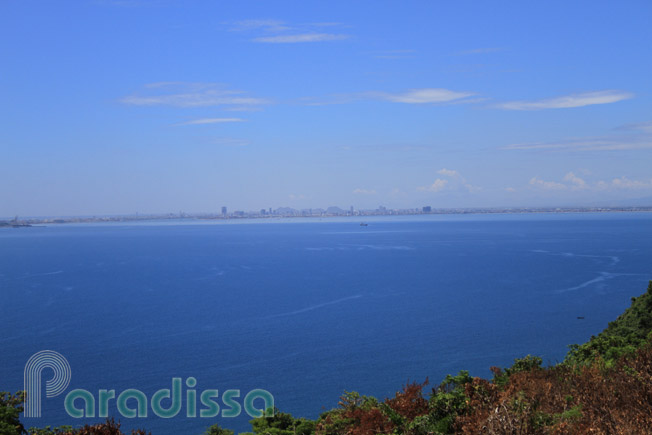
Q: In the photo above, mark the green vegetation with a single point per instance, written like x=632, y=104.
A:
x=603, y=386
x=10, y=408
x=622, y=337
x=282, y=424
x=217, y=430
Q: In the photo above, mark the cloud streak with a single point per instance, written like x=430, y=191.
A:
x=453, y=181
x=393, y=54
x=437, y=186
x=639, y=126
x=569, y=101
x=279, y=32
x=180, y=94
x=364, y=192
x=482, y=50
x=301, y=37
x=204, y=121
x=547, y=185
x=588, y=144
x=572, y=182
x=423, y=96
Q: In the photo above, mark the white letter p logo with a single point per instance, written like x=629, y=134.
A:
x=53, y=387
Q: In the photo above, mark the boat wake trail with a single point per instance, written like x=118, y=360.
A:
x=314, y=307
x=612, y=258
x=33, y=275
x=604, y=276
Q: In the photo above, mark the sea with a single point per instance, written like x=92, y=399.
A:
x=305, y=309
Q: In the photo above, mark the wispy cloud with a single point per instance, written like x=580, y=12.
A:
x=484, y=50
x=364, y=192
x=211, y=121
x=229, y=141
x=265, y=25
x=411, y=96
x=547, y=185
x=279, y=32
x=129, y=3
x=301, y=37
x=448, y=172
x=576, y=182
x=180, y=94
x=625, y=183
x=638, y=126
x=423, y=96
x=393, y=54
x=453, y=181
x=437, y=186
x=571, y=182
x=607, y=143
x=568, y=101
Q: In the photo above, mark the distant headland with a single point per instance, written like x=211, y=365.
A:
x=14, y=223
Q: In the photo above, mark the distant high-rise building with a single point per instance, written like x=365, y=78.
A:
x=262, y=212
x=223, y=211
x=427, y=209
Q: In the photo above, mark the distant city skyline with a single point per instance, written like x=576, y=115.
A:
x=121, y=106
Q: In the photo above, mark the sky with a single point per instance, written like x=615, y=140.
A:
x=158, y=106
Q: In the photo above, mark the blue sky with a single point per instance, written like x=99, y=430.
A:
x=122, y=106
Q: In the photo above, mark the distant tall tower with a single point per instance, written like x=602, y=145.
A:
x=223, y=211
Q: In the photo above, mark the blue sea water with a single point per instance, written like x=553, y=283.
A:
x=308, y=309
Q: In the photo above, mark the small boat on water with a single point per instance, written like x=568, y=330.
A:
x=362, y=224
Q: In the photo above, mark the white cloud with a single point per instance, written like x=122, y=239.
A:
x=471, y=188
x=547, y=185
x=423, y=96
x=301, y=37
x=264, y=25
x=181, y=94
x=448, y=172
x=393, y=54
x=243, y=109
x=567, y=101
x=640, y=126
x=510, y=189
x=364, y=192
x=211, y=121
x=459, y=180
x=482, y=50
x=576, y=182
x=607, y=143
x=626, y=183
x=437, y=186
x=412, y=96
x=279, y=32
x=230, y=141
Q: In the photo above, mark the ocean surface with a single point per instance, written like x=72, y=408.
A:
x=307, y=309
